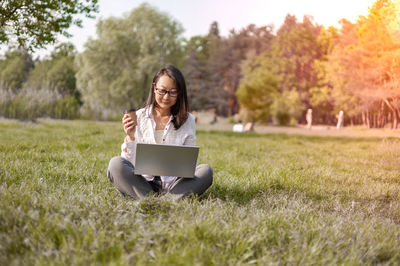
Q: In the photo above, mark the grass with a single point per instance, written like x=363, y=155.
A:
x=276, y=199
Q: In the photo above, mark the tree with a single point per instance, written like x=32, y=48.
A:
x=332, y=74
x=286, y=107
x=15, y=69
x=196, y=72
x=258, y=87
x=279, y=82
x=61, y=76
x=321, y=94
x=116, y=69
x=56, y=73
x=294, y=52
x=34, y=24
x=237, y=47
x=367, y=62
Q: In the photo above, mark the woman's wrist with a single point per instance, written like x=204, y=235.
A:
x=129, y=139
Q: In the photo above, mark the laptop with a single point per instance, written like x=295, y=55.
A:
x=166, y=160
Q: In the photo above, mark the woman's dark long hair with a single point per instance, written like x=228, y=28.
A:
x=180, y=109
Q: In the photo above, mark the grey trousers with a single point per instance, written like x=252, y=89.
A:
x=121, y=174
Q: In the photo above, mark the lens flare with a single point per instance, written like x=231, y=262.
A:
x=393, y=22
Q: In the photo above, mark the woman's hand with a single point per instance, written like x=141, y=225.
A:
x=129, y=126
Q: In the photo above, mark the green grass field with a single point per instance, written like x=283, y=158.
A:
x=276, y=199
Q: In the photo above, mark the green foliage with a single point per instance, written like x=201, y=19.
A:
x=30, y=104
x=61, y=76
x=15, y=69
x=289, y=67
x=116, y=70
x=287, y=107
x=320, y=97
x=38, y=75
x=258, y=88
x=303, y=65
x=294, y=51
x=56, y=73
x=212, y=65
x=364, y=64
x=197, y=54
x=327, y=40
x=278, y=200
x=34, y=24
x=66, y=108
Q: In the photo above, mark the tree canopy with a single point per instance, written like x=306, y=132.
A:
x=57, y=72
x=14, y=69
x=262, y=74
x=116, y=69
x=366, y=62
x=34, y=23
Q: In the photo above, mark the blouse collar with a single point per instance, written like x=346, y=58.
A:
x=149, y=112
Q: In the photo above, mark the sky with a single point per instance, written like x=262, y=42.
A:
x=196, y=16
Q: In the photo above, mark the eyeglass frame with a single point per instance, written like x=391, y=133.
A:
x=165, y=92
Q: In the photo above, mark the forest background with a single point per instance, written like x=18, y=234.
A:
x=255, y=74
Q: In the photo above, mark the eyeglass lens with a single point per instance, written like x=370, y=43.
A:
x=170, y=93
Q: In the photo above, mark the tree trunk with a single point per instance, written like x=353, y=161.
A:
x=394, y=126
x=379, y=119
x=364, y=120
x=231, y=106
x=368, y=119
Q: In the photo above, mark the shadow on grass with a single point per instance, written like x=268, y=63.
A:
x=244, y=195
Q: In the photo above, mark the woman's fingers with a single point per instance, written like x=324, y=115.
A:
x=129, y=124
x=127, y=119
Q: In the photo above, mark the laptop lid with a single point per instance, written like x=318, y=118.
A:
x=166, y=160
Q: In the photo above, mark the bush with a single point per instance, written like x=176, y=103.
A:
x=66, y=108
x=286, y=107
x=28, y=104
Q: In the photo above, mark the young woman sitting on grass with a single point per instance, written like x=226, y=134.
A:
x=164, y=119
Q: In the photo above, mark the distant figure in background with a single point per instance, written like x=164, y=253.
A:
x=249, y=127
x=309, y=118
x=340, y=120
x=238, y=127
x=214, y=120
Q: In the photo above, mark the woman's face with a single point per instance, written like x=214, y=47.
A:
x=165, y=85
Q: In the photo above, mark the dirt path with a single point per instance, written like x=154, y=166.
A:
x=318, y=130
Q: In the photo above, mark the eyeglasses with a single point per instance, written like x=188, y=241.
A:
x=170, y=93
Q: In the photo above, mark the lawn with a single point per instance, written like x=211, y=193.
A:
x=276, y=199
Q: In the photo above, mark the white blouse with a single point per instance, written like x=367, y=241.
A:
x=146, y=133
x=158, y=136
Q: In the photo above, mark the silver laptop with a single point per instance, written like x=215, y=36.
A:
x=165, y=160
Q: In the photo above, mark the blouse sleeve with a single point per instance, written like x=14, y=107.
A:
x=190, y=139
x=128, y=151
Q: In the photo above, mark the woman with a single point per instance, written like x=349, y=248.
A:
x=164, y=119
